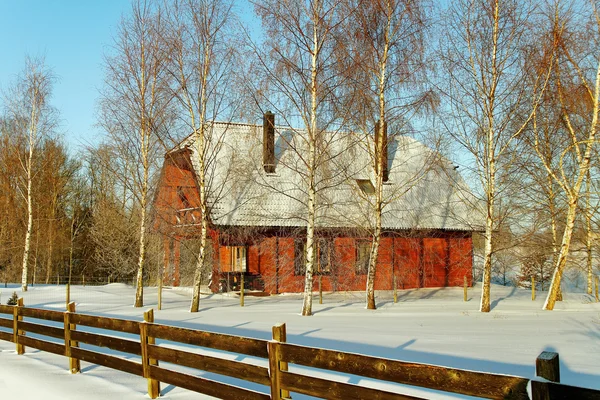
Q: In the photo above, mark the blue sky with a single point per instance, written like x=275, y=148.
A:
x=73, y=35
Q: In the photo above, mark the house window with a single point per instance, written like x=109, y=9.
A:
x=299, y=257
x=322, y=256
x=324, y=250
x=185, y=203
x=366, y=186
x=363, y=251
x=236, y=260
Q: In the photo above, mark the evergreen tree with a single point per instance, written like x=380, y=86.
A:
x=12, y=301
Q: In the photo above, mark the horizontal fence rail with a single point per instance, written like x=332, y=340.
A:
x=64, y=333
x=423, y=375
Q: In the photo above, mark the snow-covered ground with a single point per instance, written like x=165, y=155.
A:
x=430, y=326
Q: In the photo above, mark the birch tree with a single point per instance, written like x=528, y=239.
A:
x=490, y=106
x=135, y=104
x=27, y=106
x=296, y=63
x=385, y=58
x=202, y=67
x=576, y=86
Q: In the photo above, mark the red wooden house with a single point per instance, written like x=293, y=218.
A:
x=256, y=207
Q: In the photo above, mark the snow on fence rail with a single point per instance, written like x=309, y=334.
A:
x=138, y=341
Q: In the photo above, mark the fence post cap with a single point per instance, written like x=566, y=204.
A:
x=149, y=315
x=547, y=355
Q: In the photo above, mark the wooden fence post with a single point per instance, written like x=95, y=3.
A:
x=532, y=288
x=465, y=292
x=274, y=371
x=546, y=366
x=16, y=330
x=145, y=340
x=160, y=285
x=74, y=363
x=275, y=365
x=395, y=281
x=320, y=289
x=241, y=289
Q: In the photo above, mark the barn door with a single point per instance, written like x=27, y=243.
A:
x=435, y=262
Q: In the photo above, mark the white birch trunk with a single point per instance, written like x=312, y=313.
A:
x=200, y=135
x=371, y=305
x=139, y=281
x=379, y=167
x=553, y=228
x=201, y=176
x=490, y=216
x=490, y=168
x=144, y=148
x=487, y=262
x=310, y=248
x=588, y=226
x=32, y=142
x=29, y=223
x=561, y=261
x=312, y=192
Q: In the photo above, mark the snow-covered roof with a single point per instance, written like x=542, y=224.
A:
x=424, y=190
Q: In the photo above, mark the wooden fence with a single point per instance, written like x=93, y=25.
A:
x=165, y=363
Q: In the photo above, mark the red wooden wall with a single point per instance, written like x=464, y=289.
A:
x=416, y=262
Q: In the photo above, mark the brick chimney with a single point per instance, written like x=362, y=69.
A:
x=384, y=156
x=269, y=142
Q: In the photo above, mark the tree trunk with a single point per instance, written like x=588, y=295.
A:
x=29, y=217
x=201, y=144
x=201, y=177
x=371, y=305
x=312, y=192
x=145, y=141
x=310, y=241
x=68, y=300
x=487, y=268
x=489, y=230
x=310, y=247
x=201, y=255
x=588, y=226
x=139, y=281
x=562, y=257
x=490, y=165
x=50, y=249
x=379, y=167
x=37, y=248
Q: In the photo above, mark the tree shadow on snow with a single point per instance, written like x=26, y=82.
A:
x=497, y=301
